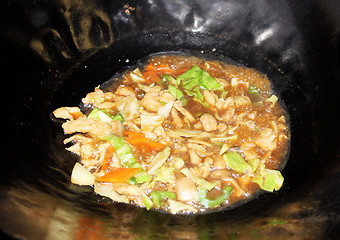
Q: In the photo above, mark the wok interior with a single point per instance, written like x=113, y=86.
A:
x=36, y=181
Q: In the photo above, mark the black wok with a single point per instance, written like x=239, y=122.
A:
x=54, y=52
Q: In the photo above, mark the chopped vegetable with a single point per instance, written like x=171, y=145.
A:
x=159, y=159
x=254, y=163
x=81, y=176
x=272, y=181
x=272, y=99
x=103, y=116
x=166, y=109
x=126, y=157
x=177, y=93
x=235, y=161
x=165, y=174
x=137, y=76
x=119, y=175
x=158, y=196
x=150, y=122
x=207, y=202
x=147, y=201
x=199, y=181
x=144, y=144
x=196, y=76
x=150, y=77
x=106, y=190
x=254, y=93
x=176, y=207
x=150, y=67
x=128, y=107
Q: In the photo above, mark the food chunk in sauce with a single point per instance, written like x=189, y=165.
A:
x=181, y=134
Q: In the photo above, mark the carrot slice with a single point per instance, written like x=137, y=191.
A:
x=150, y=67
x=107, y=158
x=134, y=134
x=144, y=144
x=150, y=76
x=119, y=175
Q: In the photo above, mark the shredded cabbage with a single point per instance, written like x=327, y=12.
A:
x=236, y=162
x=128, y=107
x=199, y=181
x=159, y=160
x=137, y=76
x=166, y=109
x=150, y=122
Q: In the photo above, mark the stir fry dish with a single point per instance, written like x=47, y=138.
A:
x=180, y=134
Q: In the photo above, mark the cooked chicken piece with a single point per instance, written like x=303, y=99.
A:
x=176, y=118
x=221, y=127
x=124, y=91
x=252, y=115
x=212, y=65
x=78, y=138
x=154, y=89
x=88, y=125
x=203, y=170
x=198, y=126
x=127, y=189
x=209, y=122
x=225, y=103
x=219, y=163
x=84, y=150
x=98, y=96
x=106, y=105
x=209, y=97
x=159, y=131
x=70, y=113
x=198, y=148
x=222, y=81
x=241, y=101
x=150, y=103
x=249, y=150
x=186, y=113
x=117, y=127
x=194, y=158
x=186, y=190
x=131, y=126
x=106, y=152
x=224, y=175
x=238, y=83
x=227, y=115
x=220, y=174
x=165, y=96
x=267, y=139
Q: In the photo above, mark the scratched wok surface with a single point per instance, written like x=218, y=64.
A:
x=54, y=52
